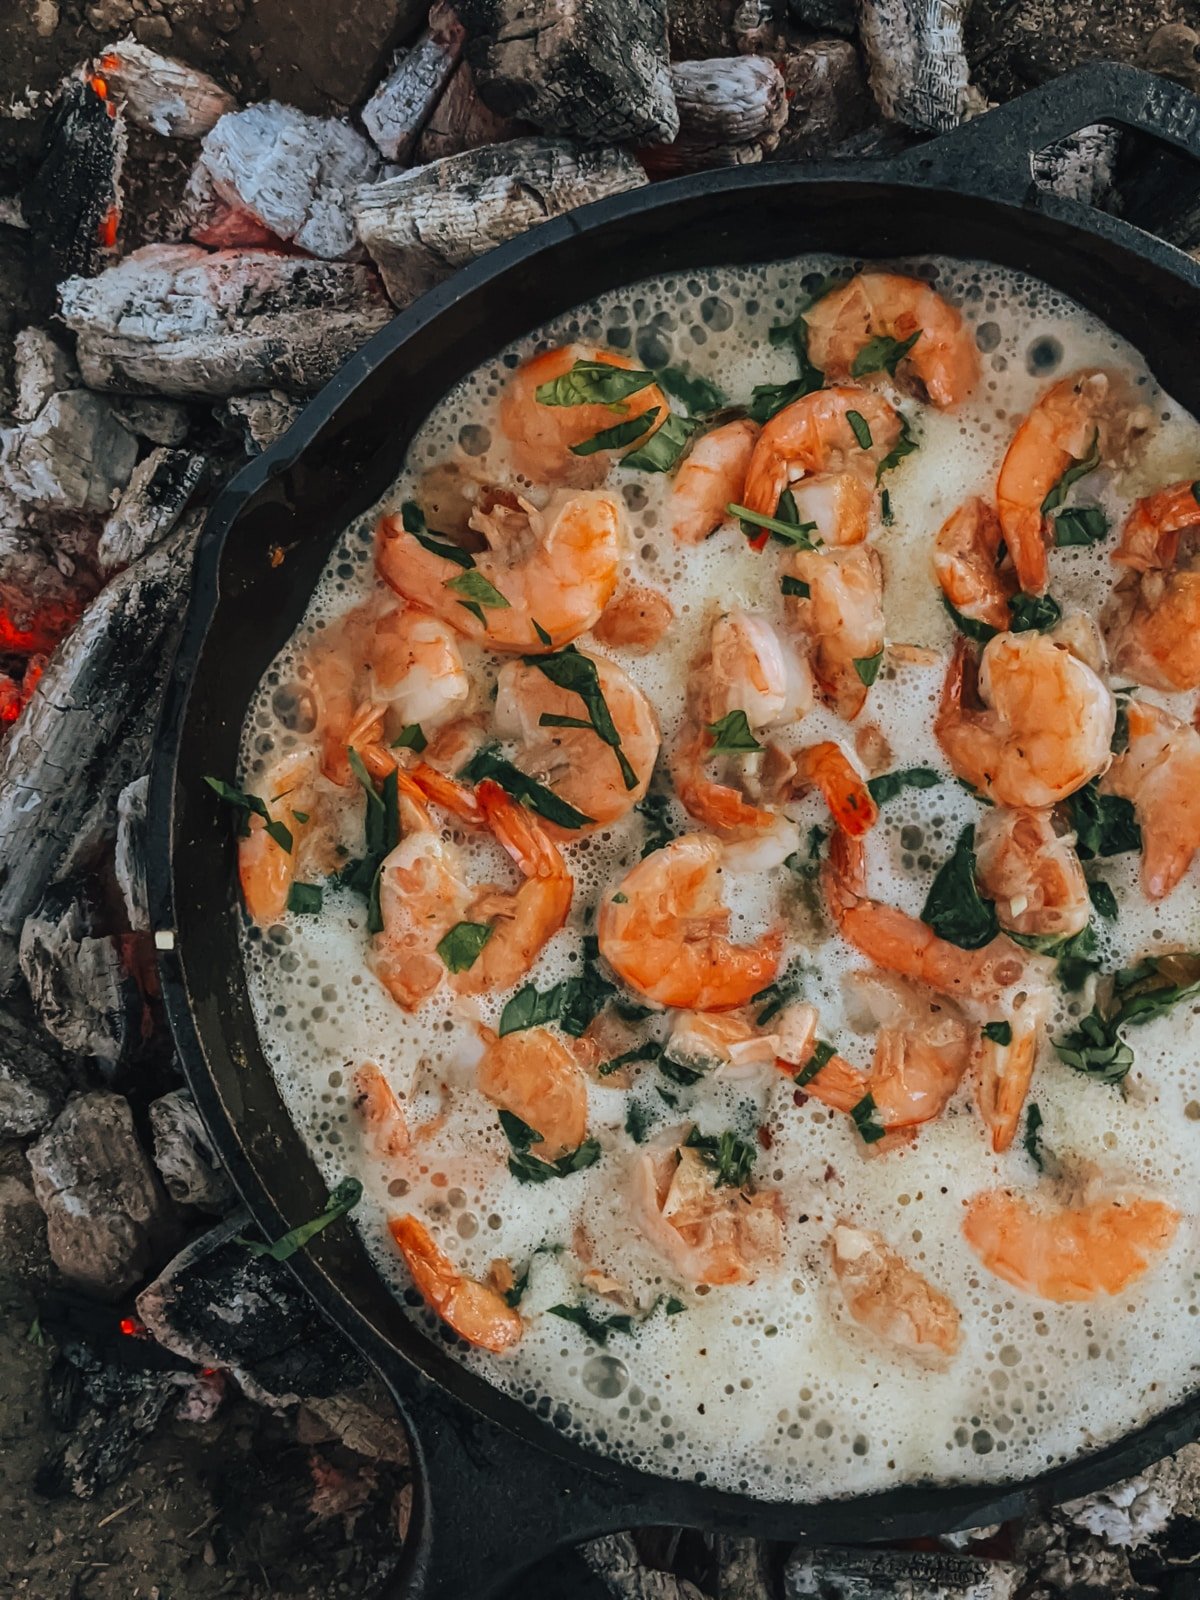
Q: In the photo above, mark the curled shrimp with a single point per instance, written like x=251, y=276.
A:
x=710, y=1235
x=883, y=1293
x=266, y=867
x=635, y=619
x=1081, y=415
x=532, y=1074
x=1006, y=1068
x=580, y=767
x=827, y=767
x=702, y=1040
x=1152, y=621
x=664, y=931
x=840, y=620
x=710, y=478
x=942, y=363
x=976, y=581
x=1159, y=772
x=1072, y=1252
x=382, y=1117
x=553, y=570
x=1032, y=873
x=477, y=1313
x=540, y=437
x=814, y=435
x=1031, y=725
x=837, y=504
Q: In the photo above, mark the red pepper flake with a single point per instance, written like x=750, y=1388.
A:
x=764, y=1137
x=799, y=1098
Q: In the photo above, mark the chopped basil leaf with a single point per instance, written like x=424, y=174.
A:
x=640, y=1052
x=980, y=632
x=680, y=1072
x=655, y=810
x=516, y=1294
x=620, y=899
x=788, y=532
x=904, y=446
x=341, y=1200
x=1105, y=824
x=527, y=1168
x=889, y=784
x=305, y=899
x=766, y=399
x=1096, y=1049
x=1080, y=525
x=1078, y=469
x=410, y=738
x=809, y=864
x=478, y=592
x=249, y=804
x=635, y=1122
x=1104, y=900
x=870, y=1130
x=569, y=669
x=885, y=508
x=546, y=639
x=301, y=817
x=795, y=587
x=487, y=763
x=860, y=428
x=666, y=1096
x=882, y=354
x=1033, y=1135
x=699, y=395
x=381, y=826
x=795, y=333
x=973, y=791
x=673, y=1306
x=1033, y=611
x=822, y=1054
x=998, y=1032
x=732, y=735
x=1120, y=739
x=868, y=667
x=665, y=447
x=460, y=949
x=1140, y=993
x=413, y=519
x=954, y=908
x=597, y=1329
x=518, y=1133
x=729, y=1157
x=592, y=383
x=776, y=995
x=617, y=437
x=1074, y=954
x=531, y=1008
x=573, y=1003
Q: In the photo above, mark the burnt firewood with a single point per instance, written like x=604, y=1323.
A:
x=157, y=421
x=615, y=1560
x=596, y=70
x=827, y=97
x=825, y=16
x=109, y=1221
x=93, y=693
x=44, y=585
x=161, y=94
x=104, y=1443
x=34, y=1079
x=184, y=1155
x=74, y=455
x=260, y=418
x=1081, y=167
x=423, y=224
x=461, y=121
x=759, y=26
x=153, y=502
x=916, y=61
x=83, y=992
x=700, y=29
x=743, y=1568
x=405, y=100
x=129, y=856
x=731, y=111
x=363, y=1418
x=288, y=173
x=73, y=204
x=177, y=320
x=41, y=367
x=843, y=1574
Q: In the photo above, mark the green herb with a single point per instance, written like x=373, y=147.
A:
x=527, y=1168
x=620, y=899
x=666, y=1096
x=870, y=1130
x=1105, y=824
x=382, y=834
x=305, y=899
x=516, y=1294
x=973, y=791
x=1104, y=900
x=546, y=638
x=1078, y=469
x=904, y=446
x=629, y=1010
x=809, y=864
x=597, y=1329
x=518, y=1133
x=860, y=428
x=1028, y=612
x=1033, y=1135
x=868, y=667
x=795, y=587
x=574, y=1003
x=635, y=1122
x=655, y=811
x=680, y=1072
x=889, y=784
x=788, y=532
x=778, y=994
x=1120, y=739
x=1096, y=1049
x=479, y=593
x=1146, y=990
x=487, y=763
x=617, y=437
x=251, y=804
x=998, y=1032
x=673, y=1306
x=731, y=735
x=300, y=816
x=954, y=908
x=699, y=395
x=410, y=737
x=592, y=383
x=729, y=1157
x=795, y=333
x=665, y=447
x=341, y=1200
x=822, y=1054
x=531, y=1008
x=460, y=949
x=1080, y=525
x=640, y=1052
x=885, y=508
x=1074, y=953
x=980, y=632
x=569, y=669
x=882, y=354
x=413, y=519
x=766, y=399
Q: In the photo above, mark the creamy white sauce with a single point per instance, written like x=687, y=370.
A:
x=770, y=1388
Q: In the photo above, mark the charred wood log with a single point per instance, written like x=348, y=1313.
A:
x=153, y=502
x=615, y=1561
x=184, y=1156
x=41, y=367
x=161, y=94
x=1081, y=167
x=743, y=1569
x=916, y=61
x=825, y=16
x=731, y=111
x=700, y=29
x=827, y=97
x=259, y=419
x=596, y=70
x=108, y=1218
x=39, y=601
x=73, y=204
x=178, y=321
x=158, y=421
x=405, y=100
x=74, y=454
x=842, y=1574
x=760, y=27
x=423, y=224
x=461, y=121
x=34, y=1079
x=129, y=857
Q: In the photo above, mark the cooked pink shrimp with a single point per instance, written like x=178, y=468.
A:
x=554, y=569
x=892, y=1299
x=710, y=477
x=838, y=504
x=636, y=618
x=477, y=1313
x=1160, y=772
x=266, y=869
x=1080, y=415
x=709, y=1235
x=1072, y=1252
x=1006, y=1069
x=942, y=364
x=840, y=620
x=663, y=929
x=1032, y=873
x=701, y=1040
x=576, y=763
x=967, y=561
x=383, y=1119
x=534, y=1075
x=827, y=767
x=903, y=944
x=1038, y=728
x=814, y=435
x=1153, y=618
x=540, y=436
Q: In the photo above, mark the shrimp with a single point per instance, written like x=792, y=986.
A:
x=1152, y=621
x=710, y=1235
x=534, y=1075
x=942, y=363
x=700, y=1040
x=1032, y=873
x=883, y=1293
x=1160, y=773
x=827, y=767
x=636, y=619
x=553, y=570
x=580, y=767
x=1068, y=1253
x=710, y=477
x=902, y=944
x=1040, y=726
x=663, y=930
x=1080, y=416
x=540, y=436
x=477, y=1313
x=837, y=504
x=814, y=435
x=266, y=868
x=383, y=1119
x=840, y=620
x=967, y=561
x=1006, y=1069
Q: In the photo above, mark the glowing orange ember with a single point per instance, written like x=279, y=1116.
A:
x=107, y=231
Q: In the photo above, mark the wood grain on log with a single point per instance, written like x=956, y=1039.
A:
x=698, y=29
x=1081, y=167
x=843, y=1574
x=158, y=421
x=405, y=100
x=41, y=367
x=82, y=991
x=915, y=60
x=153, y=502
x=34, y=1079
x=731, y=110
x=423, y=224
x=260, y=418
x=161, y=94
x=615, y=1560
x=184, y=1156
x=596, y=69
x=74, y=455
x=461, y=121
x=129, y=858
x=180, y=321
x=827, y=96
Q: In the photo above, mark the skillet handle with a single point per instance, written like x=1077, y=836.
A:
x=994, y=154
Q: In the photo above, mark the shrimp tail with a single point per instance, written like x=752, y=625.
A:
x=828, y=768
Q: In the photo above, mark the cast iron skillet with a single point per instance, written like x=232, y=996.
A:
x=498, y=1486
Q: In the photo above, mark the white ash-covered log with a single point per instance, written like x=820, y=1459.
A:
x=184, y=1155
x=161, y=94
x=73, y=204
x=41, y=367
x=916, y=61
x=421, y=225
x=129, y=853
x=259, y=418
x=109, y=1220
x=827, y=97
x=154, y=499
x=1081, y=167
x=35, y=1078
x=462, y=121
x=616, y=1562
x=837, y=1573
x=74, y=454
x=272, y=173
x=403, y=103
x=595, y=69
x=731, y=111
x=181, y=321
